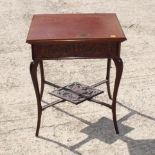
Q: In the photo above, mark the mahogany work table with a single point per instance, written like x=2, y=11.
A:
x=75, y=36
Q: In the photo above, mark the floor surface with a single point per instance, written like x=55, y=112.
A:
x=87, y=128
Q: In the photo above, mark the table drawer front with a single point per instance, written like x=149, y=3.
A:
x=98, y=50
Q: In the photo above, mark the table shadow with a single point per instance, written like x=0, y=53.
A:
x=103, y=130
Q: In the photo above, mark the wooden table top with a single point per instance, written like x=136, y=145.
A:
x=46, y=28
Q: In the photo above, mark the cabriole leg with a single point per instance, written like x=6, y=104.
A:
x=33, y=71
x=119, y=69
x=42, y=78
x=108, y=78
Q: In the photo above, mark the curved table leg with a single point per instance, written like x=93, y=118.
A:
x=108, y=78
x=119, y=69
x=42, y=78
x=33, y=71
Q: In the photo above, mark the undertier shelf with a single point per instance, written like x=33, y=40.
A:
x=76, y=92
